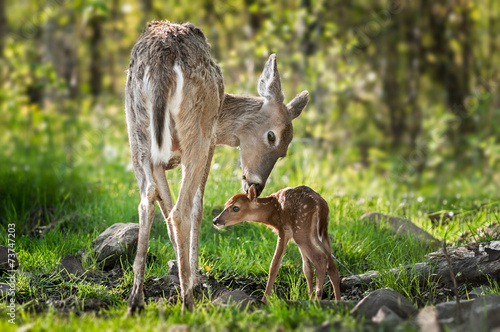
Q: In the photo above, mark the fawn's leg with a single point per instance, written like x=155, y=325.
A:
x=275, y=264
x=333, y=272
x=146, y=213
x=308, y=272
x=318, y=259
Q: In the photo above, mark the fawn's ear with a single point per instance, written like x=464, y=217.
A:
x=252, y=193
x=269, y=85
x=295, y=107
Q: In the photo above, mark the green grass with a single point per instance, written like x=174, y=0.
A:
x=92, y=186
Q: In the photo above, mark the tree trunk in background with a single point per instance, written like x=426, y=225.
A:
x=467, y=126
x=212, y=33
x=450, y=67
x=256, y=15
x=391, y=88
x=417, y=152
x=95, y=56
x=308, y=42
x=115, y=53
x=147, y=8
x=3, y=26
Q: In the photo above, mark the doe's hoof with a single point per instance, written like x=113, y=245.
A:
x=135, y=301
x=132, y=310
x=188, y=302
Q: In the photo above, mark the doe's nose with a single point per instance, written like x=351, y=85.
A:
x=246, y=186
x=258, y=188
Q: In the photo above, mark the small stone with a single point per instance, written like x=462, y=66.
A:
x=173, y=279
x=72, y=265
x=5, y=264
x=447, y=311
x=370, y=305
x=173, y=269
x=485, y=313
x=4, y=290
x=384, y=314
x=427, y=320
x=179, y=328
x=478, y=291
x=236, y=297
x=115, y=242
x=329, y=326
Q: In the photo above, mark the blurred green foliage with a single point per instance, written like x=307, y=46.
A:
x=404, y=95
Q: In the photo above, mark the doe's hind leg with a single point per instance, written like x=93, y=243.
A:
x=146, y=213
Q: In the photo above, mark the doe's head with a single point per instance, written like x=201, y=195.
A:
x=265, y=137
x=237, y=209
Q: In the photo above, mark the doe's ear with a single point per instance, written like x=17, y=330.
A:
x=252, y=194
x=295, y=107
x=269, y=85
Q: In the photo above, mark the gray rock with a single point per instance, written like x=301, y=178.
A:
x=325, y=304
x=386, y=315
x=170, y=279
x=329, y=326
x=447, y=311
x=72, y=265
x=173, y=279
x=479, y=291
x=4, y=290
x=173, y=269
x=179, y=328
x=427, y=320
x=115, y=242
x=5, y=265
x=485, y=313
x=236, y=297
x=402, y=227
x=370, y=305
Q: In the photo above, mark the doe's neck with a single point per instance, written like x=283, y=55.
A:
x=237, y=111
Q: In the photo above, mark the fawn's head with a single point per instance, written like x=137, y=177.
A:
x=265, y=137
x=239, y=208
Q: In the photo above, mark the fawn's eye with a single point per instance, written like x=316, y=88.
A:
x=236, y=209
x=271, y=137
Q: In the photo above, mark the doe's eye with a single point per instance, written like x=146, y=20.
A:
x=236, y=209
x=271, y=136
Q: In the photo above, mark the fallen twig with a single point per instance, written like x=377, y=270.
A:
x=474, y=262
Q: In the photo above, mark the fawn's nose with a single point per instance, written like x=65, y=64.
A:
x=217, y=224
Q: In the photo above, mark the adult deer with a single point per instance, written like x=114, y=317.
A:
x=177, y=112
x=297, y=213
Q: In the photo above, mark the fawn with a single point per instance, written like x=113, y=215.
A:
x=297, y=213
